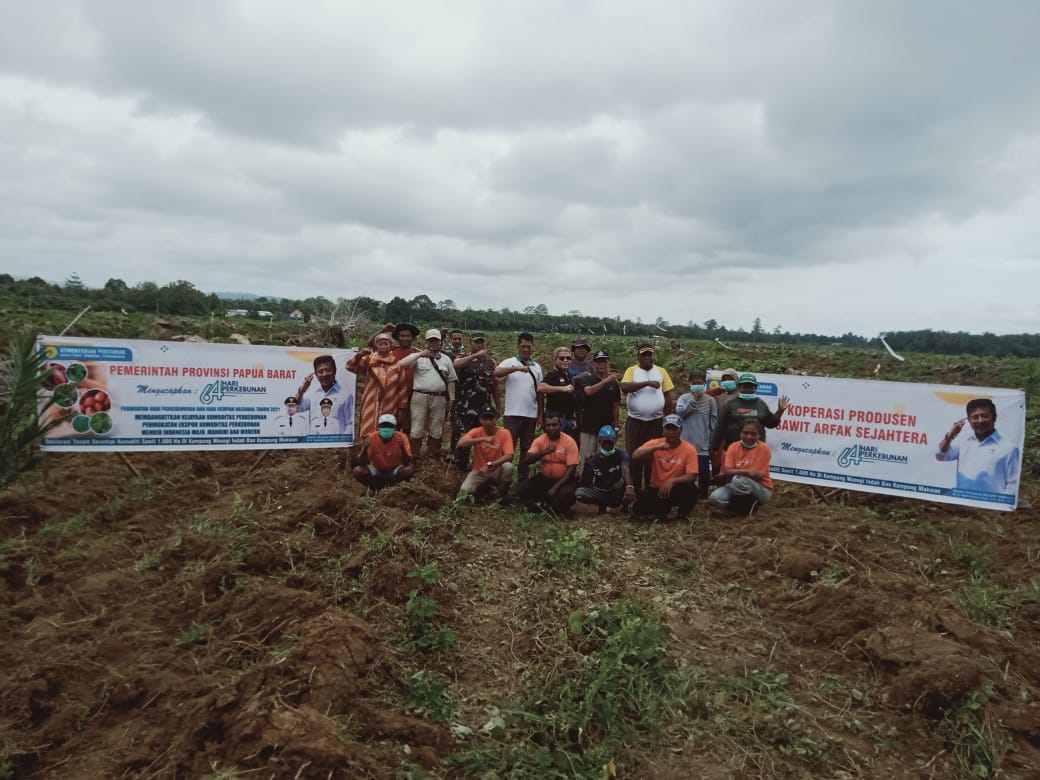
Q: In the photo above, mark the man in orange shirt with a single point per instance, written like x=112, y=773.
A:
x=557, y=455
x=673, y=473
x=386, y=457
x=492, y=456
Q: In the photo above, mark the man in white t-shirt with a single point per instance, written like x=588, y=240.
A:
x=433, y=394
x=522, y=414
x=648, y=390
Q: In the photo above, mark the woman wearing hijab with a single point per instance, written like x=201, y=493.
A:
x=383, y=386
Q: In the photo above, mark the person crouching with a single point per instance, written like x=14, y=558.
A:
x=745, y=472
x=557, y=455
x=386, y=456
x=605, y=479
x=673, y=473
x=492, y=456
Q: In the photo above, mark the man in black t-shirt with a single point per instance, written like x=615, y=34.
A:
x=599, y=398
x=557, y=390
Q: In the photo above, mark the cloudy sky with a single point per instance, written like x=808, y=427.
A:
x=826, y=166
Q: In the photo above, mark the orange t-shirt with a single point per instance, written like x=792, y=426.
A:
x=672, y=462
x=386, y=455
x=756, y=459
x=554, y=465
x=486, y=451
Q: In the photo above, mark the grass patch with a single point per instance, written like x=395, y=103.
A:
x=609, y=692
x=427, y=695
x=977, y=743
x=992, y=605
x=567, y=552
x=75, y=525
x=197, y=633
x=424, y=630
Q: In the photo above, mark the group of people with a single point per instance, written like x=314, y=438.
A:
x=677, y=444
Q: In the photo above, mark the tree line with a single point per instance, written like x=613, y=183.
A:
x=183, y=298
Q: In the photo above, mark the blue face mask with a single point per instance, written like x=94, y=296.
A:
x=386, y=434
x=697, y=388
x=728, y=384
x=747, y=396
x=606, y=453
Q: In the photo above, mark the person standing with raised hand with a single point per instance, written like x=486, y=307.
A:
x=648, y=396
x=433, y=394
x=522, y=414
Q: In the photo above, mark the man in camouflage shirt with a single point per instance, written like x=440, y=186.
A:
x=477, y=388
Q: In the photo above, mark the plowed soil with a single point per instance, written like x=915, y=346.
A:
x=220, y=615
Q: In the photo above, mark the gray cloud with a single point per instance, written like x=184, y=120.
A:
x=818, y=164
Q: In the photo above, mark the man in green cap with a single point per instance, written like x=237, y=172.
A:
x=747, y=405
x=476, y=390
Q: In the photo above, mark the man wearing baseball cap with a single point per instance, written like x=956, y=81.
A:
x=433, y=394
x=386, y=456
x=492, y=456
x=747, y=405
x=648, y=391
x=598, y=397
x=605, y=479
x=673, y=473
x=580, y=365
x=477, y=389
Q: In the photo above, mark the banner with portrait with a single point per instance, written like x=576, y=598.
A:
x=899, y=438
x=133, y=395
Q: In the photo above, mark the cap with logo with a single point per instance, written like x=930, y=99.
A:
x=672, y=421
x=291, y=400
x=488, y=411
x=601, y=355
x=607, y=432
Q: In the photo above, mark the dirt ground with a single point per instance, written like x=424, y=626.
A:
x=215, y=615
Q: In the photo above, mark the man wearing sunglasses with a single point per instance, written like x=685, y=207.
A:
x=556, y=391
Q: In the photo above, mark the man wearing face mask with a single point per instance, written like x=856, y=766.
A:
x=386, y=456
x=605, y=480
x=700, y=415
x=746, y=406
x=746, y=472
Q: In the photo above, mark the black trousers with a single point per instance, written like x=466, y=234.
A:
x=683, y=497
x=533, y=489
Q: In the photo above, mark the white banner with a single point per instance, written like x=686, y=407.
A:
x=126, y=395
x=887, y=437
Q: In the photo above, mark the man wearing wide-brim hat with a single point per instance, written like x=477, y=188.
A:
x=405, y=333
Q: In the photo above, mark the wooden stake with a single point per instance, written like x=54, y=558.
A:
x=259, y=459
x=129, y=465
